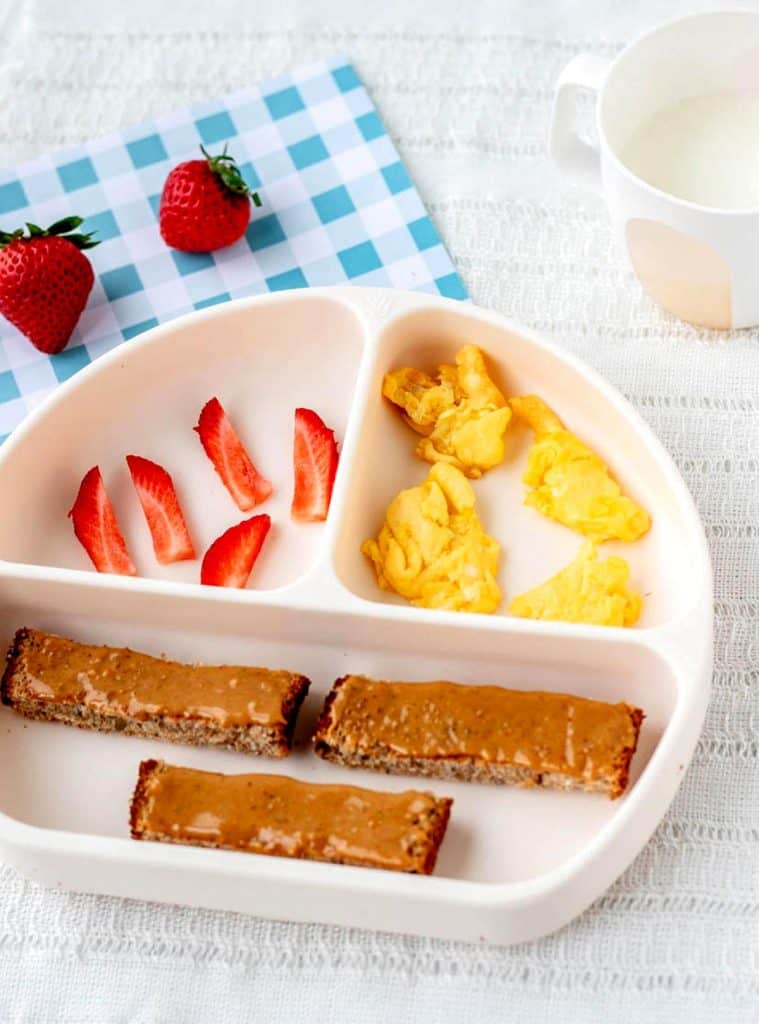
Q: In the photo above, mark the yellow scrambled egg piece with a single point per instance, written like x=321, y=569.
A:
x=571, y=483
x=460, y=413
x=587, y=590
x=432, y=549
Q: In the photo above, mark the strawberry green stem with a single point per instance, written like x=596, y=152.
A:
x=64, y=228
x=225, y=166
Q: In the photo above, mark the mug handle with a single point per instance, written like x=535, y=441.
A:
x=580, y=161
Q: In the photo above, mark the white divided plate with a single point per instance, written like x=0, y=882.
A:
x=515, y=864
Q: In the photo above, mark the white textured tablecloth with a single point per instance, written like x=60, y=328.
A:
x=465, y=90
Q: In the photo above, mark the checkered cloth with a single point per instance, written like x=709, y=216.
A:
x=338, y=206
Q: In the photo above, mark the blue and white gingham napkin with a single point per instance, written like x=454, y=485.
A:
x=338, y=206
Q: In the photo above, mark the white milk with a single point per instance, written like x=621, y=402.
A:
x=705, y=149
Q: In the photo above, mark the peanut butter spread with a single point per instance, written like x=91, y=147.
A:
x=123, y=682
x=545, y=732
x=282, y=817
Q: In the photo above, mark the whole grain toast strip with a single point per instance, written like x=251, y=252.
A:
x=41, y=682
x=353, y=731
x=283, y=817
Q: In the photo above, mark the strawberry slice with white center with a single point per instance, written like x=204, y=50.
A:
x=168, y=529
x=97, y=529
x=230, y=459
x=230, y=559
x=315, y=466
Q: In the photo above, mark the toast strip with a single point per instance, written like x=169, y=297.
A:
x=282, y=817
x=110, y=689
x=479, y=734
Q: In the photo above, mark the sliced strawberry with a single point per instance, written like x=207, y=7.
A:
x=315, y=465
x=227, y=453
x=96, y=527
x=155, y=489
x=230, y=559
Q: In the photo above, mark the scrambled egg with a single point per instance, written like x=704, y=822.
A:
x=587, y=590
x=571, y=483
x=460, y=413
x=432, y=549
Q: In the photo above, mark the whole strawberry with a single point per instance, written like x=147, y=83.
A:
x=205, y=204
x=45, y=280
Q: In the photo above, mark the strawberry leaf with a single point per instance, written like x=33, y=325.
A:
x=60, y=229
x=226, y=168
x=6, y=237
x=82, y=241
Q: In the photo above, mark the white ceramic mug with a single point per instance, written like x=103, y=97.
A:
x=701, y=263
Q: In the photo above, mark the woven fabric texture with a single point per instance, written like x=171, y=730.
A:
x=466, y=97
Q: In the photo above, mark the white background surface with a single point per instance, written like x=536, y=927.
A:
x=465, y=91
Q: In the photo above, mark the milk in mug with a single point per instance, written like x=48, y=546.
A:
x=704, y=149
